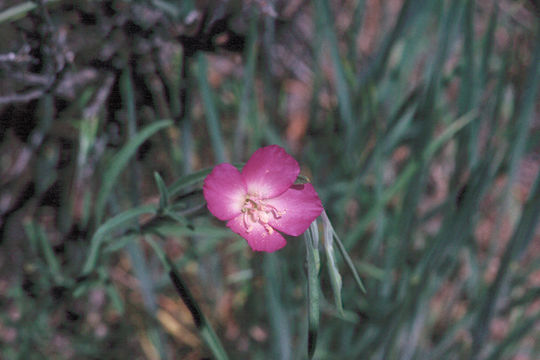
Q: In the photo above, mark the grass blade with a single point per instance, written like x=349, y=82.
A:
x=176, y=187
x=342, y=88
x=313, y=294
x=212, y=118
x=349, y=263
x=135, y=251
x=520, y=239
x=248, y=91
x=375, y=69
x=277, y=311
x=522, y=329
x=448, y=134
x=401, y=182
x=207, y=332
x=467, y=149
x=489, y=41
x=163, y=192
x=331, y=263
x=109, y=226
x=119, y=162
x=18, y=11
x=36, y=232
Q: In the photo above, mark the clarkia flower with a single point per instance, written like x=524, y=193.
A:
x=262, y=201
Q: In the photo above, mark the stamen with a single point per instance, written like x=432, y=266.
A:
x=263, y=216
x=277, y=213
x=248, y=227
x=273, y=210
x=256, y=211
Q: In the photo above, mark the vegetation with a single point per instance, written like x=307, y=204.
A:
x=416, y=122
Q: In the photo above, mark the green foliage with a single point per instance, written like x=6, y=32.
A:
x=416, y=125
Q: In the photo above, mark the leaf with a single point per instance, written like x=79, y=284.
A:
x=36, y=232
x=313, y=295
x=448, y=133
x=331, y=264
x=18, y=11
x=187, y=180
x=119, y=162
x=109, y=226
x=343, y=92
x=176, y=187
x=212, y=118
x=349, y=263
x=276, y=309
x=163, y=192
x=205, y=328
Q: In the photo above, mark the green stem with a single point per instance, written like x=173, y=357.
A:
x=207, y=332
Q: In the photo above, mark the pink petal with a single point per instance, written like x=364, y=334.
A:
x=269, y=172
x=300, y=206
x=258, y=238
x=224, y=191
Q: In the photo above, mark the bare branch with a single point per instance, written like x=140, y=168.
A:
x=22, y=98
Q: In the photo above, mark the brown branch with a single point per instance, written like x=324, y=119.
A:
x=22, y=98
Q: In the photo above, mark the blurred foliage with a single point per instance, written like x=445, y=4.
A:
x=417, y=121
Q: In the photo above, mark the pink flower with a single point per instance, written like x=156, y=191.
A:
x=262, y=200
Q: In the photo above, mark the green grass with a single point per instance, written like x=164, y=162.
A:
x=422, y=146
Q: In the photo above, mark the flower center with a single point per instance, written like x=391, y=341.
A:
x=257, y=211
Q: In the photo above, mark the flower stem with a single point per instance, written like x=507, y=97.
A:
x=202, y=324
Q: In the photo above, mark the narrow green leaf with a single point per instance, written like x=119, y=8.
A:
x=163, y=193
x=209, y=336
x=207, y=332
x=448, y=134
x=522, y=329
x=342, y=87
x=128, y=98
x=32, y=236
x=523, y=114
x=115, y=297
x=176, y=187
x=489, y=41
x=37, y=232
x=18, y=11
x=375, y=69
x=185, y=181
x=119, y=162
x=247, y=98
x=173, y=228
x=331, y=262
x=210, y=109
x=313, y=294
x=349, y=263
x=119, y=243
x=426, y=119
x=514, y=250
x=357, y=20
x=277, y=310
x=401, y=182
x=177, y=217
x=528, y=298
x=109, y=226
x=168, y=7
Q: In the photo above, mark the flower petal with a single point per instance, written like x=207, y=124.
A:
x=224, y=191
x=300, y=206
x=258, y=238
x=269, y=172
